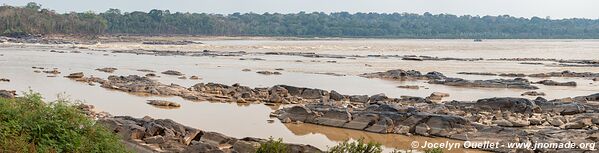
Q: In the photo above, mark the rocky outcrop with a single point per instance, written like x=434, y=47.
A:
x=268, y=72
x=399, y=74
x=8, y=94
x=75, y=75
x=173, y=72
x=163, y=103
x=107, y=69
x=555, y=83
x=165, y=135
x=518, y=83
x=533, y=93
x=504, y=120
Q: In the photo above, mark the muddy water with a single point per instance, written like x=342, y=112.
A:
x=251, y=120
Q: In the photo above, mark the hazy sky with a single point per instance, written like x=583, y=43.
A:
x=520, y=8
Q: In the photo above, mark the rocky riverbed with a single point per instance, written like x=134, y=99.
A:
x=386, y=90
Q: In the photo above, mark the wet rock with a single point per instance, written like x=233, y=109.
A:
x=182, y=77
x=409, y=87
x=172, y=72
x=555, y=83
x=4, y=80
x=533, y=93
x=358, y=98
x=399, y=74
x=437, y=96
x=517, y=105
x=107, y=69
x=8, y=94
x=146, y=70
x=477, y=73
x=193, y=77
x=378, y=97
x=75, y=75
x=163, y=103
x=53, y=71
x=246, y=70
x=495, y=83
x=151, y=75
x=268, y=73
x=334, y=95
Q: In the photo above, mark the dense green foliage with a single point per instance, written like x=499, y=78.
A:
x=31, y=19
x=358, y=146
x=27, y=124
x=272, y=146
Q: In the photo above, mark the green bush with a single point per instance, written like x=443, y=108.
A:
x=272, y=146
x=434, y=150
x=357, y=147
x=27, y=124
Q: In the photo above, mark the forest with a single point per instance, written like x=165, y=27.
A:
x=32, y=19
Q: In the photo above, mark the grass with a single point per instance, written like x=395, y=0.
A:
x=358, y=146
x=27, y=124
x=272, y=146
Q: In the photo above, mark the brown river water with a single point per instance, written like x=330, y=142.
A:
x=250, y=120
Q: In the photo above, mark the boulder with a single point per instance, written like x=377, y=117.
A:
x=336, y=96
x=75, y=75
x=107, y=69
x=163, y=103
x=555, y=83
x=516, y=105
x=172, y=72
x=378, y=97
x=358, y=98
x=8, y=94
x=336, y=118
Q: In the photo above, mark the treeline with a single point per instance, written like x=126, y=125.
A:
x=342, y=24
x=31, y=19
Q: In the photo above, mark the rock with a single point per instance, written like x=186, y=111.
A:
x=437, y=96
x=555, y=83
x=154, y=140
x=4, y=80
x=336, y=118
x=163, y=103
x=502, y=122
x=334, y=95
x=299, y=113
x=555, y=121
x=358, y=98
x=75, y=75
x=312, y=93
x=409, y=87
x=146, y=70
x=193, y=77
x=172, y=72
x=378, y=97
x=246, y=70
x=107, y=69
x=151, y=75
x=9, y=94
x=182, y=77
x=516, y=105
x=53, y=71
x=533, y=93
x=268, y=73
x=596, y=79
x=517, y=83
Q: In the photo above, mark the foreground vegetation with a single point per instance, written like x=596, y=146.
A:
x=27, y=124
x=31, y=19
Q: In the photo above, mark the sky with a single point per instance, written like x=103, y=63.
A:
x=556, y=9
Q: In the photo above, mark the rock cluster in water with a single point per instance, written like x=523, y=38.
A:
x=439, y=78
x=504, y=120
